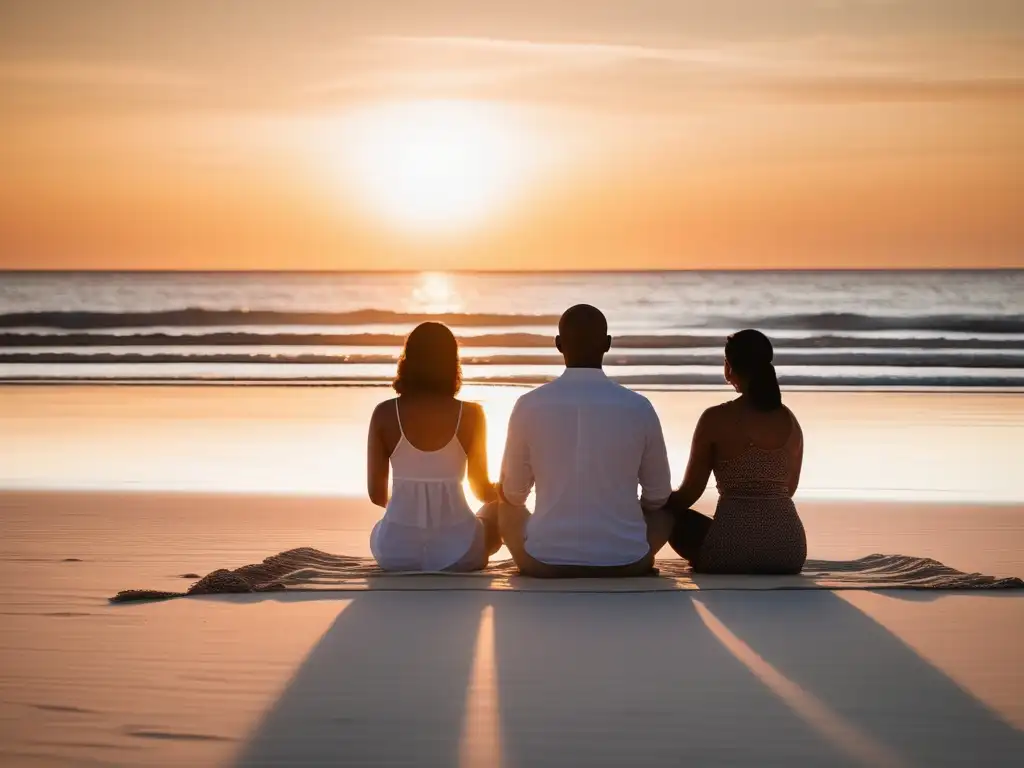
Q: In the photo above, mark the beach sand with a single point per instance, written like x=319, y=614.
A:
x=111, y=487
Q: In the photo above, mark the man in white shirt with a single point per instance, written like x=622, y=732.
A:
x=587, y=443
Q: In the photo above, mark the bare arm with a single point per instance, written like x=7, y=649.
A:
x=377, y=460
x=479, y=479
x=698, y=469
x=796, y=459
x=516, y=471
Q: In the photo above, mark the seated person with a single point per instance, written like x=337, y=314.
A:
x=428, y=437
x=587, y=443
x=755, y=447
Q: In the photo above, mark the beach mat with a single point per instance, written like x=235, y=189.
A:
x=310, y=569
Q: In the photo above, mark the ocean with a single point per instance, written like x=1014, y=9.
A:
x=873, y=330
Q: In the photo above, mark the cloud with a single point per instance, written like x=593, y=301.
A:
x=605, y=75
x=565, y=52
x=608, y=76
x=963, y=55
x=894, y=89
x=84, y=73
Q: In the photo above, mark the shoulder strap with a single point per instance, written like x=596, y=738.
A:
x=459, y=421
x=398, y=413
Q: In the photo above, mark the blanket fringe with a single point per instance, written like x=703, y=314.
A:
x=308, y=567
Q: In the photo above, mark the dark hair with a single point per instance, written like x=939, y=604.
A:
x=750, y=356
x=429, y=362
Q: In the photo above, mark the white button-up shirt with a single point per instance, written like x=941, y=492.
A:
x=587, y=443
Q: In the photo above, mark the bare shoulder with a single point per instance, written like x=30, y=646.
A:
x=384, y=413
x=798, y=432
x=472, y=412
x=716, y=414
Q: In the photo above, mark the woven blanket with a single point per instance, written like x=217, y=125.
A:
x=311, y=569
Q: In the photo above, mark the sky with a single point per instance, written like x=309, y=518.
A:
x=511, y=134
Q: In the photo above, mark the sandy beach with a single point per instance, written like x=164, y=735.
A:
x=221, y=225
x=105, y=488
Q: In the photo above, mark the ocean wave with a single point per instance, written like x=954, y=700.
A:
x=16, y=340
x=837, y=359
x=196, y=316
x=640, y=381
x=649, y=381
x=851, y=321
x=241, y=317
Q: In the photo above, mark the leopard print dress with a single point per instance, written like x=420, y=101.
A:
x=756, y=527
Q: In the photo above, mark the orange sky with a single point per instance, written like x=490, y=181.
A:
x=733, y=134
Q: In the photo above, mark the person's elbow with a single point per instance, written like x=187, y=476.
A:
x=655, y=490
x=653, y=504
x=378, y=496
x=686, y=496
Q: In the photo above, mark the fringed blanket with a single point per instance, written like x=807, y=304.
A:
x=311, y=569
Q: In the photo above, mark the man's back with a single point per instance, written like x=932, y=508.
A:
x=587, y=443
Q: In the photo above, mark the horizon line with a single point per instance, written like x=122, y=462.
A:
x=498, y=272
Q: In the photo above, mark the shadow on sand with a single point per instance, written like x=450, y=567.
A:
x=868, y=685
x=722, y=678
x=405, y=654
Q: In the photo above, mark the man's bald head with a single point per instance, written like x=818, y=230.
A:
x=583, y=336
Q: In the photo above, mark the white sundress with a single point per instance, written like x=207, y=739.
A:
x=428, y=524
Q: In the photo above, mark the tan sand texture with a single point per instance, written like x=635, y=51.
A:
x=485, y=678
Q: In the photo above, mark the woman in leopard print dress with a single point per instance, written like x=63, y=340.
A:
x=754, y=446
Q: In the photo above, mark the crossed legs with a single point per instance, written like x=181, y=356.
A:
x=485, y=544
x=488, y=515
x=512, y=525
x=689, y=530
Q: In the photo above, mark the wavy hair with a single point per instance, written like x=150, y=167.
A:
x=429, y=362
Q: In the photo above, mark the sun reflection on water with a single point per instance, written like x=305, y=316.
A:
x=436, y=294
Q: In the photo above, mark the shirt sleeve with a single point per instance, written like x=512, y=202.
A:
x=516, y=471
x=655, y=473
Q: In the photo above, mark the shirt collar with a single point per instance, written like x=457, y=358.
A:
x=583, y=374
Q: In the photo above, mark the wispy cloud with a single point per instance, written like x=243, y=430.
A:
x=589, y=75
x=85, y=73
x=896, y=89
x=602, y=75
x=966, y=56
x=567, y=52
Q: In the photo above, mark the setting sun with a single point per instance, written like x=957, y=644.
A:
x=433, y=165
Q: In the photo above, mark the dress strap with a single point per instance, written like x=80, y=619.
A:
x=459, y=420
x=398, y=413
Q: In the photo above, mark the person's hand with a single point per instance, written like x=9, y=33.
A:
x=673, y=500
x=492, y=494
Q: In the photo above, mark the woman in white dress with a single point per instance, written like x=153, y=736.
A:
x=428, y=438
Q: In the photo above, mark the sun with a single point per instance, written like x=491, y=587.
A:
x=434, y=165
